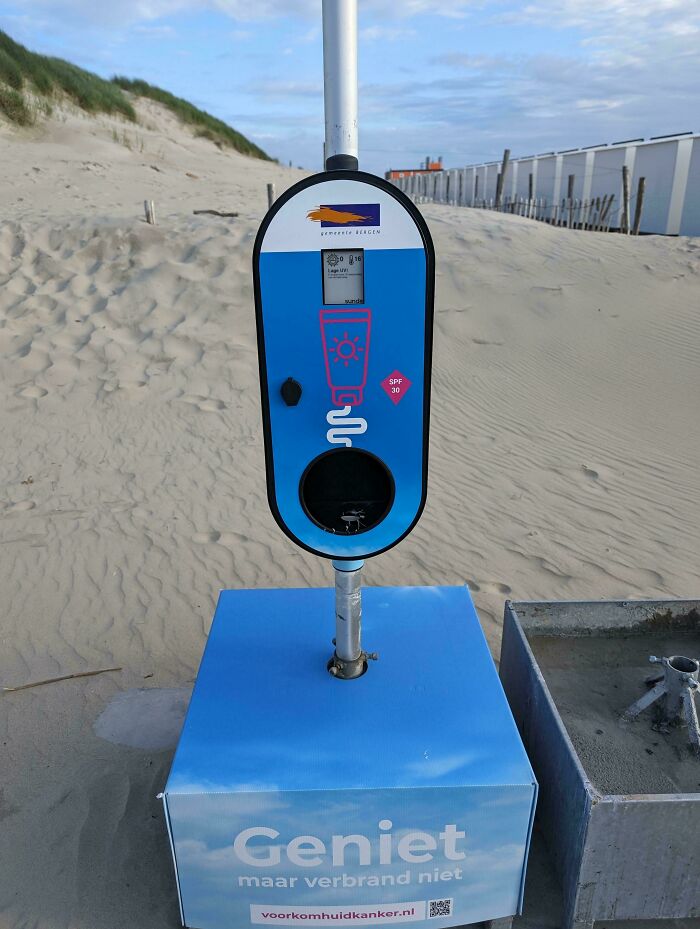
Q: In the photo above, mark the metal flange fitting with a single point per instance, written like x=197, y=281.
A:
x=674, y=689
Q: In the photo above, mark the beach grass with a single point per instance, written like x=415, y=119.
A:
x=205, y=125
x=29, y=81
x=15, y=107
x=25, y=75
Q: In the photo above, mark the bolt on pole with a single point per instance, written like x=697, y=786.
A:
x=340, y=83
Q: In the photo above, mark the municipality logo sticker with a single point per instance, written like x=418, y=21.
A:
x=345, y=214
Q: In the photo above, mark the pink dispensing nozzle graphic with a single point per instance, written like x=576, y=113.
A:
x=345, y=335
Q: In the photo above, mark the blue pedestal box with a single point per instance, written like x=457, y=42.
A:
x=402, y=796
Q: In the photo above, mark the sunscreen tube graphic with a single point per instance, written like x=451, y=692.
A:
x=345, y=335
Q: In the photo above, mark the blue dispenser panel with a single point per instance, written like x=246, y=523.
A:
x=362, y=364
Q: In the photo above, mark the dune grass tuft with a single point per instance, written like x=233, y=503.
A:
x=26, y=76
x=10, y=71
x=23, y=72
x=15, y=107
x=204, y=124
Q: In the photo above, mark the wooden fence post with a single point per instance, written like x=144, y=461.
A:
x=270, y=195
x=570, y=200
x=149, y=209
x=500, y=182
x=601, y=212
x=625, y=216
x=605, y=212
x=639, y=205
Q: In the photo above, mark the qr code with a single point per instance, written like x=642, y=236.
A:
x=439, y=908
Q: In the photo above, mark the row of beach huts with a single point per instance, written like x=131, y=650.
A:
x=569, y=187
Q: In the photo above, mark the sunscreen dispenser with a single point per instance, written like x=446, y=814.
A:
x=343, y=269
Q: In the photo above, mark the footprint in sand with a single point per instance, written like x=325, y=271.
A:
x=205, y=404
x=212, y=406
x=131, y=385
x=495, y=587
x=204, y=538
x=20, y=507
x=32, y=392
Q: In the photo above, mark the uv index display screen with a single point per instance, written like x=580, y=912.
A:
x=343, y=272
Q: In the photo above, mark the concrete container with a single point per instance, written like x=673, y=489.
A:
x=625, y=853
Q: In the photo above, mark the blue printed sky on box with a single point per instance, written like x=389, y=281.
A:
x=424, y=739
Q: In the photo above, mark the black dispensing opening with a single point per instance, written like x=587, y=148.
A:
x=346, y=491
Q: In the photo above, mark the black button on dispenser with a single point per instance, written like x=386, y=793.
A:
x=291, y=391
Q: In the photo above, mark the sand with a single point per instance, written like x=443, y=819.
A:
x=564, y=464
x=593, y=680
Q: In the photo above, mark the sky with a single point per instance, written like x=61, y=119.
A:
x=461, y=80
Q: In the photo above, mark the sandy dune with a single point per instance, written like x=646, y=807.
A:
x=565, y=450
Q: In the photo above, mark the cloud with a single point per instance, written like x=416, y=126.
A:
x=567, y=13
x=621, y=75
x=598, y=104
x=682, y=28
x=468, y=62
x=311, y=35
x=452, y=9
x=616, y=24
x=279, y=90
x=530, y=75
x=385, y=33
x=129, y=12
x=155, y=31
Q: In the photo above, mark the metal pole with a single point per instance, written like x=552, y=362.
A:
x=340, y=83
x=340, y=153
x=349, y=660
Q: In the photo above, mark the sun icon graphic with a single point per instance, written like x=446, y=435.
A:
x=346, y=349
